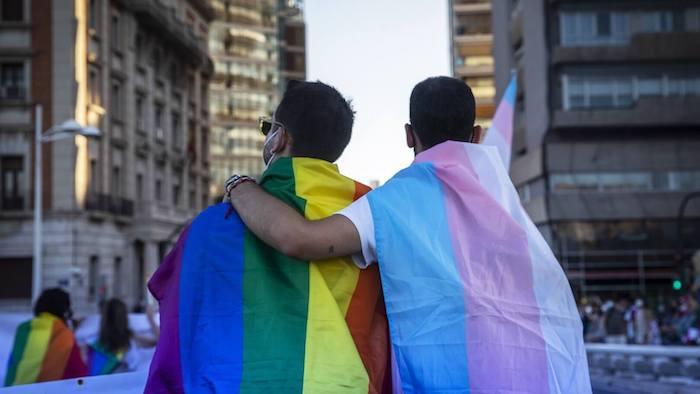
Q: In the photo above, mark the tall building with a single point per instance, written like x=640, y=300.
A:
x=256, y=45
x=472, y=60
x=139, y=71
x=606, y=142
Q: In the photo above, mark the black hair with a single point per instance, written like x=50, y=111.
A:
x=318, y=118
x=54, y=301
x=442, y=109
x=115, y=334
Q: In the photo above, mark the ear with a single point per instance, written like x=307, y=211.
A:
x=410, y=140
x=477, y=134
x=279, y=141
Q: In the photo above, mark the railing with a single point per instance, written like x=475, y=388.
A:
x=109, y=204
x=652, y=363
x=603, y=270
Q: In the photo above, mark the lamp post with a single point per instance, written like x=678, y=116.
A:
x=69, y=128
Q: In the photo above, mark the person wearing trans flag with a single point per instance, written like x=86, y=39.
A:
x=476, y=300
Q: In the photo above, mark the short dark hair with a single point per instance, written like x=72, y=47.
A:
x=54, y=301
x=442, y=109
x=318, y=118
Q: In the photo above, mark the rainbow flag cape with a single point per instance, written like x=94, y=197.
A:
x=476, y=300
x=102, y=361
x=237, y=316
x=44, y=350
x=500, y=134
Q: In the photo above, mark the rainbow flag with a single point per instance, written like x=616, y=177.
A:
x=476, y=300
x=102, y=361
x=500, y=134
x=237, y=316
x=44, y=350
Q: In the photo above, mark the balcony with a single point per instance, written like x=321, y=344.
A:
x=655, y=47
x=162, y=20
x=616, y=205
x=647, y=112
x=471, y=8
x=99, y=202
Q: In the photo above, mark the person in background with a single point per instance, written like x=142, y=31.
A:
x=45, y=348
x=116, y=349
x=615, y=324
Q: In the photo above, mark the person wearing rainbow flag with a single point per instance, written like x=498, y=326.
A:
x=45, y=348
x=238, y=316
x=475, y=298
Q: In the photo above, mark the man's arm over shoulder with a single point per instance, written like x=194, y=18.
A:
x=283, y=228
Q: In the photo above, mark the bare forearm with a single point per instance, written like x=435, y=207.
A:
x=283, y=228
x=271, y=220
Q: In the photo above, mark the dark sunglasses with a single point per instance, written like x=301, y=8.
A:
x=266, y=125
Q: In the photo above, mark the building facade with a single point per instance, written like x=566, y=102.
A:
x=607, y=141
x=256, y=45
x=472, y=60
x=139, y=71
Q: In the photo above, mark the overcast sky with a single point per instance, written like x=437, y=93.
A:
x=374, y=52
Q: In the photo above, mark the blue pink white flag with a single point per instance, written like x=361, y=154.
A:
x=476, y=300
x=500, y=134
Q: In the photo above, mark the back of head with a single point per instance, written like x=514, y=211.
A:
x=442, y=109
x=54, y=301
x=115, y=334
x=318, y=118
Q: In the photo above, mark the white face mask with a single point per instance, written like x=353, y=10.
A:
x=271, y=158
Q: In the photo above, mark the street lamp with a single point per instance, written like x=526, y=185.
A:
x=66, y=129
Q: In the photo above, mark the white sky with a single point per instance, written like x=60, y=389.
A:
x=374, y=52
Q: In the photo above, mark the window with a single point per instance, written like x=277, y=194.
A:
x=139, y=187
x=176, y=195
x=117, y=277
x=174, y=73
x=593, y=28
x=156, y=61
x=116, y=100
x=140, y=112
x=12, y=168
x=176, y=132
x=116, y=181
x=158, y=122
x=115, y=32
x=12, y=78
x=138, y=49
x=12, y=11
x=623, y=91
x=193, y=198
x=94, y=15
x=94, y=86
x=93, y=176
x=159, y=190
x=92, y=278
x=16, y=278
x=672, y=181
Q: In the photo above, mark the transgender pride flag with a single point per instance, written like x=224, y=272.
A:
x=500, y=134
x=476, y=300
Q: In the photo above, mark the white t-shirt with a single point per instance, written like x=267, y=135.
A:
x=360, y=214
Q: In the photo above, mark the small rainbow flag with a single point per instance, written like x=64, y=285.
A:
x=44, y=349
x=102, y=361
x=237, y=316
